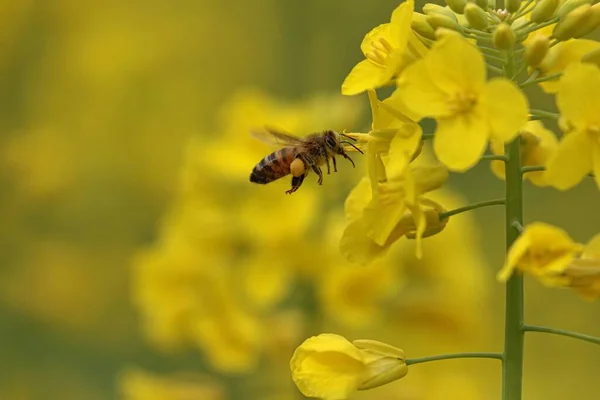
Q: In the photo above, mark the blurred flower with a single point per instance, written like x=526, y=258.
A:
x=136, y=384
x=388, y=49
x=542, y=250
x=579, y=151
x=449, y=84
x=583, y=273
x=537, y=145
x=328, y=366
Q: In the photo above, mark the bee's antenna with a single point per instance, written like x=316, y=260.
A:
x=348, y=137
x=351, y=144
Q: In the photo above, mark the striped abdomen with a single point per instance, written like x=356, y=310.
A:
x=274, y=166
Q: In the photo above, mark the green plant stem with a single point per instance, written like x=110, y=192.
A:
x=495, y=69
x=562, y=332
x=530, y=81
x=532, y=168
x=412, y=361
x=470, y=207
x=512, y=368
x=543, y=114
x=494, y=157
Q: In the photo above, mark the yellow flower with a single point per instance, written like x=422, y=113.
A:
x=388, y=49
x=583, y=273
x=449, y=84
x=136, y=384
x=542, y=250
x=579, y=152
x=537, y=145
x=562, y=55
x=329, y=367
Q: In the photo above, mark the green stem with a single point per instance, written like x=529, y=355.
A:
x=543, y=114
x=562, y=332
x=532, y=168
x=530, y=81
x=427, y=136
x=493, y=157
x=412, y=361
x=512, y=368
x=470, y=207
x=495, y=69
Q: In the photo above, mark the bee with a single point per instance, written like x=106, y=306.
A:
x=299, y=156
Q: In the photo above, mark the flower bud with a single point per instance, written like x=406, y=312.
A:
x=458, y=6
x=536, y=49
x=573, y=21
x=512, y=5
x=593, y=57
x=544, y=10
x=476, y=16
x=384, y=363
x=429, y=177
x=569, y=6
x=481, y=3
x=430, y=9
x=420, y=25
x=437, y=20
x=434, y=224
x=503, y=37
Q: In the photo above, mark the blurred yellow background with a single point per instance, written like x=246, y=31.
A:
x=138, y=262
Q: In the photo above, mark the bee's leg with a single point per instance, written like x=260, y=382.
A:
x=334, y=166
x=319, y=172
x=348, y=158
x=328, y=169
x=296, y=183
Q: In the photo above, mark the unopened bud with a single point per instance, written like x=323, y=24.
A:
x=443, y=32
x=593, y=57
x=434, y=224
x=572, y=22
x=503, y=37
x=512, y=5
x=429, y=177
x=544, y=11
x=536, y=49
x=570, y=5
x=476, y=16
x=420, y=25
x=430, y=9
x=458, y=6
x=481, y=3
x=441, y=21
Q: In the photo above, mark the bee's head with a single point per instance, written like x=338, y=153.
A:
x=332, y=141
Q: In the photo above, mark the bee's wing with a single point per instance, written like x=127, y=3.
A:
x=274, y=136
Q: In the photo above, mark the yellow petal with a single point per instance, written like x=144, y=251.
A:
x=507, y=108
x=497, y=147
x=596, y=161
x=357, y=200
x=365, y=75
x=577, y=98
x=417, y=92
x=561, y=56
x=515, y=253
x=456, y=66
x=543, y=146
x=460, y=141
x=571, y=161
x=328, y=367
x=592, y=248
x=400, y=24
x=357, y=247
x=381, y=31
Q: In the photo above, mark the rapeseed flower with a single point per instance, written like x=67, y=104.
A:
x=579, y=152
x=388, y=49
x=330, y=367
x=449, y=84
x=543, y=251
x=583, y=273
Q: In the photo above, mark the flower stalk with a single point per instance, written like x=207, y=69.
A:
x=412, y=361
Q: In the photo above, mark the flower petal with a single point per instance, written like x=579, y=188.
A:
x=400, y=24
x=577, y=98
x=417, y=92
x=561, y=56
x=455, y=65
x=571, y=161
x=357, y=247
x=365, y=75
x=507, y=108
x=515, y=253
x=460, y=141
x=381, y=31
x=357, y=200
x=327, y=366
x=596, y=161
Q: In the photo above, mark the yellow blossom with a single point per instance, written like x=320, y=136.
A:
x=388, y=49
x=583, y=273
x=542, y=250
x=537, y=145
x=559, y=57
x=579, y=152
x=330, y=367
x=449, y=84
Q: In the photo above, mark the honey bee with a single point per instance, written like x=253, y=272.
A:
x=299, y=156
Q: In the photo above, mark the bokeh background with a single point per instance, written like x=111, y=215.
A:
x=137, y=262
